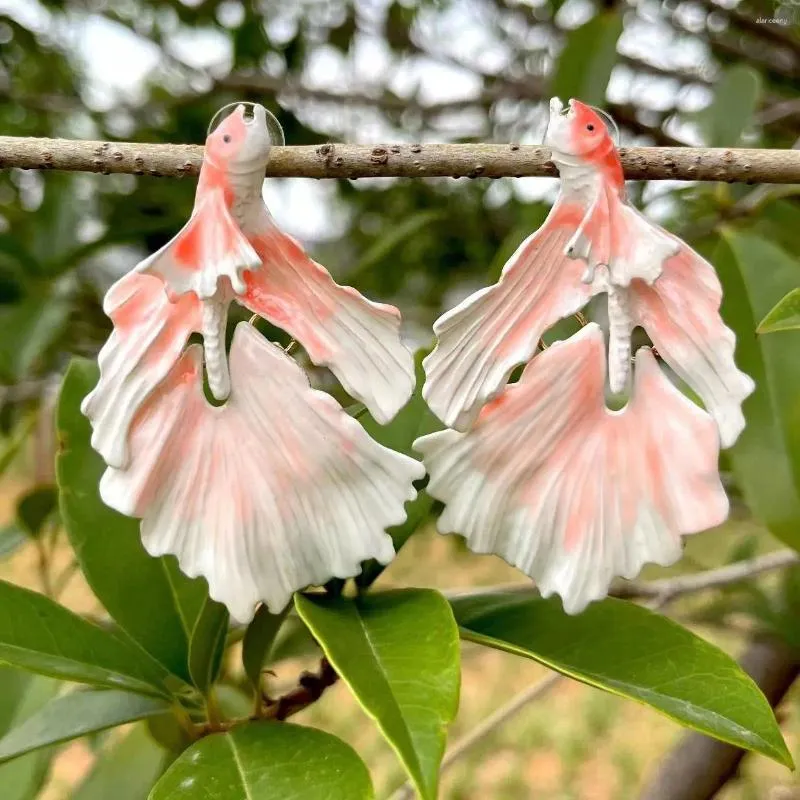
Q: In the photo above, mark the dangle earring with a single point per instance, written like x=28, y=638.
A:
x=541, y=472
x=278, y=488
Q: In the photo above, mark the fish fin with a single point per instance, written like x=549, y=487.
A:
x=569, y=492
x=357, y=339
x=480, y=341
x=150, y=332
x=277, y=490
x=209, y=247
x=680, y=313
x=615, y=235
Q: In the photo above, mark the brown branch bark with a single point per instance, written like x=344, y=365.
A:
x=698, y=767
x=310, y=688
x=415, y=161
x=727, y=46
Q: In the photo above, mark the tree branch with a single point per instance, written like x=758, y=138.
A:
x=415, y=161
x=310, y=688
x=760, y=30
x=669, y=589
x=698, y=767
x=485, y=728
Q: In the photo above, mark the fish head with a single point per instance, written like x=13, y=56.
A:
x=576, y=132
x=241, y=142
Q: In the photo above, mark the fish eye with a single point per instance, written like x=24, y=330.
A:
x=590, y=127
x=226, y=138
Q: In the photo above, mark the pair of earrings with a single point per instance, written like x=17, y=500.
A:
x=278, y=488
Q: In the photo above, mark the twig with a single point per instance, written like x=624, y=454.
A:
x=778, y=111
x=668, y=589
x=43, y=566
x=737, y=572
x=760, y=30
x=64, y=578
x=487, y=727
x=311, y=686
x=415, y=160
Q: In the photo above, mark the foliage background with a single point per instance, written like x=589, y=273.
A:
x=419, y=70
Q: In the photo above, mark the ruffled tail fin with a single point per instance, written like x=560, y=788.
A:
x=571, y=493
x=277, y=490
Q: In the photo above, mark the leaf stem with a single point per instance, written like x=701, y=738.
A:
x=213, y=712
x=43, y=566
x=63, y=579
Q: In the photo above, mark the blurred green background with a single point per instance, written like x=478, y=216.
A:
x=376, y=71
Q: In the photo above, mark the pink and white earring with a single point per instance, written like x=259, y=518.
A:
x=277, y=488
x=541, y=472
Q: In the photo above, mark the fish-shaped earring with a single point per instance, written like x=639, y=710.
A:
x=541, y=472
x=277, y=488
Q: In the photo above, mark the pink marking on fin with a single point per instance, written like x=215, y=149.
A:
x=208, y=249
x=481, y=340
x=570, y=492
x=357, y=339
x=680, y=313
x=149, y=335
x=274, y=491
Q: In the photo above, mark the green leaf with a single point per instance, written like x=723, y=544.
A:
x=393, y=238
x=294, y=640
x=30, y=328
x=13, y=683
x=208, y=644
x=40, y=635
x=12, y=446
x=150, y=598
x=16, y=250
x=584, y=66
x=267, y=761
x=11, y=539
x=736, y=99
x=23, y=778
x=398, y=652
x=77, y=714
x=233, y=702
x=533, y=216
x=766, y=458
x=259, y=640
x=785, y=316
x=633, y=652
x=35, y=508
x=126, y=771
x=170, y=733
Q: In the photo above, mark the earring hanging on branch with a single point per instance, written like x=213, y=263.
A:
x=541, y=472
x=277, y=488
